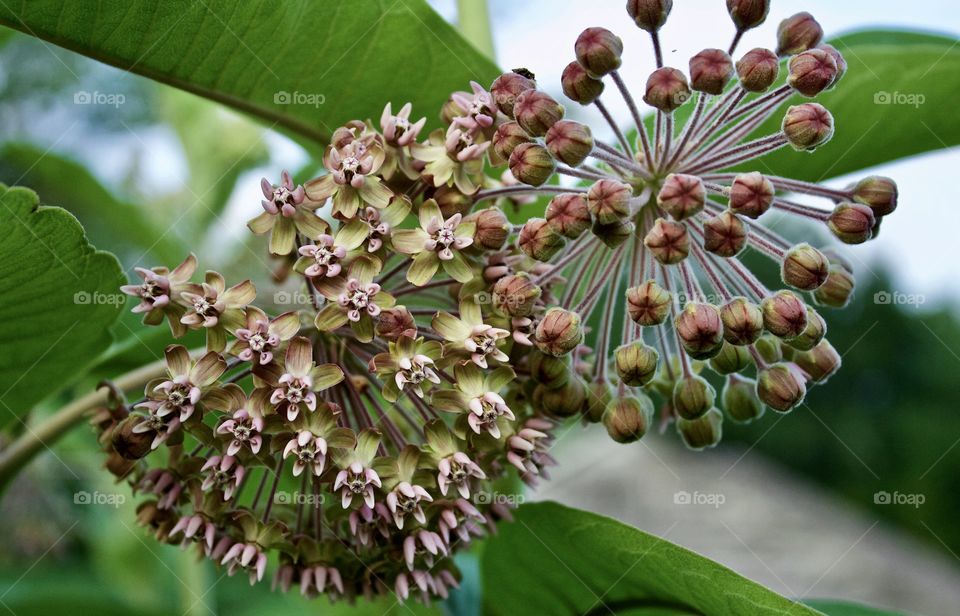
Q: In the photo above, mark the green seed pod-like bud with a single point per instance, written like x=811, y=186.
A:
x=609, y=201
x=703, y=432
x=748, y=14
x=507, y=87
x=599, y=396
x=570, y=142
x=516, y=295
x=508, y=136
x=628, y=418
x=751, y=194
x=742, y=321
x=838, y=58
x=724, y=235
x=837, y=289
x=812, y=334
x=700, y=330
x=553, y=372
x=820, y=363
x=667, y=89
x=668, y=241
x=692, y=397
x=807, y=126
x=740, y=401
x=798, y=33
x=559, y=332
x=784, y=314
x=852, y=223
x=451, y=201
x=569, y=215
x=613, y=234
x=578, y=85
x=636, y=363
x=648, y=304
x=758, y=69
x=710, y=71
x=682, y=196
x=598, y=51
x=649, y=15
x=538, y=240
x=812, y=72
x=492, y=228
x=769, y=348
x=536, y=112
x=532, y=164
x=565, y=401
x=878, y=192
x=731, y=359
x=804, y=267
x=781, y=386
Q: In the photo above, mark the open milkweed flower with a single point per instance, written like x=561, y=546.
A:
x=399, y=133
x=286, y=212
x=357, y=476
x=223, y=473
x=454, y=467
x=160, y=294
x=353, y=299
x=408, y=364
x=478, y=397
x=469, y=337
x=352, y=181
x=244, y=425
x=313, y=436
x=438, y=242
x=405, y=497
x=294, y=391
x=453, y=158
x=262, y=336
x=217, y=309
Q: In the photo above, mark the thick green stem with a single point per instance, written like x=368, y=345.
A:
x=43, y=435
x=473, y=20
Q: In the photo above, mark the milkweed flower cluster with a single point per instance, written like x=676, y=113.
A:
x=353, y=445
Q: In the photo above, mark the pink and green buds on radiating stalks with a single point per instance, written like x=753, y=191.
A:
x=852, y=223
x=559, y=332
x=724, y=235
x=648, y=304
x=569, y=142
x=781, y=386
x=682, y=196
x=516, y=295
x=569, y=215
x=609, y=201
x=710, y=71
x=837, y=290
x=742, y=321
x=740, y=401
x=819, y=363
x=798, y=33
x=536, y=112
x=703, y=432
x=804, y=267
x=812, y=334
x=667, y=89
x=748, y=14
x=160, y=294
x=807, y=126
x=649, y=15
x=784, y=314
x=532, y=164
x=538, y=240
x=692, y=397
x=636, y=363
x=668, y=241
x=508, y=136
x=758, y=69
x=628, y=418
x=880, y=193
x=507, y=87
x=751, y=194
x=700, y=330
x=579, y=86
x=598, y=50
x=812, y=71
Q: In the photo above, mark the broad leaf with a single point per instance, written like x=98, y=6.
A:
x=556, y=560
x=301, y=65
x=896, y=100
x=58, y=298
x=844, y=608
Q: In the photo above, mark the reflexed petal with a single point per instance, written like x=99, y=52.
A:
x=284, y=236
x=458, y=268
x=326, y=376
x=409, y=241
x=423, y=268
x=330, y=318
x=262, y=223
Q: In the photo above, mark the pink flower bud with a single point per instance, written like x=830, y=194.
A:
x=538, y=240
x=820, y=363
x=649, y=15
x=531, y=164
x=628, y=418
x=568, y=214
x=492, y=230
x=668, y=241
x=570, y=142
x=784, y=314
x=724, y=235
x=703, y=432
x=559, y=332
x=396, y=322
x=667, y=89
x=798, y=33
x=812, y=334
x=710, y=71
x=536, y=112
x=507, y=137
x=837, y=289
x=804, y=267
x=682, y=196
x=648, y=304
x=507, y=87
x=742, y=321
x=516, y=295
x=700, y=330
x=692, y=397
x=812, y=72
x=758, y=69
x=838, y=58
x=852, y=223
x=879, y=192
x=781, y=386
x=748, y=14
x=578, y=85
x=807, y=126
x=598, y=51
x=751, y=194
x=609, y=201
x=636, y=363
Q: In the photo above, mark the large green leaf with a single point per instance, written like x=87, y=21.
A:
x=896, y=100
x=844, y=608
x=333, y=61
x=556, y=560
x=58, y=298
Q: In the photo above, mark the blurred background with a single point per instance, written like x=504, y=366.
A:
x=855, y=495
